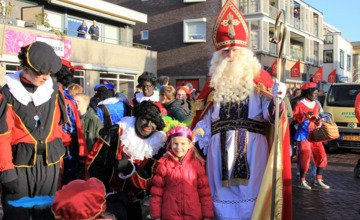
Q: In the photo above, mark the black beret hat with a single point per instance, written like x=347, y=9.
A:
x=42, y=58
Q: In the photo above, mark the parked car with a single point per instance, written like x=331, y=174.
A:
x=339, y=106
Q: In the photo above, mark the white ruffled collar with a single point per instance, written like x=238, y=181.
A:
x=307, y=103
x=140, y=97
x=134, y=146
x=40, y=96
x=110, y=101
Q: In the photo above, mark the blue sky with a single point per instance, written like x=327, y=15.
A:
x=343, y=15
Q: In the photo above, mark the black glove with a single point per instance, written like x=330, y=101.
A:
x=123, y=166
x=11, y=187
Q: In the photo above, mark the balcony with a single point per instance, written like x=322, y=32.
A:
x=296, y=23
x=252, y=7
x=296, y=52
x=94, y=55
x=273, y=12
x=329, y=39
x=273, y=49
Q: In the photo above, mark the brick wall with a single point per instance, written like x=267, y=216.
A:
x=165, y=25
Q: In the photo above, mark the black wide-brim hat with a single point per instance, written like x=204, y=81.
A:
x=42, y=58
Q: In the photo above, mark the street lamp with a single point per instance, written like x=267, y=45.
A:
x=308, y=71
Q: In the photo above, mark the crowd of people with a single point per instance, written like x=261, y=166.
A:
x=201, y=155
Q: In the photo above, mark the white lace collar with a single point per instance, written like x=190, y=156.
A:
x=134, y=146
x=307, y=103
x=140, y=97
x=110, y=101
x=40, y=96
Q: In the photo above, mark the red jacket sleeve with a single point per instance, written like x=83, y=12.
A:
x=7, y=171
x=357, y=107
x=144, y=173
x=157, y=191
x=204, y=193
x=298, y=114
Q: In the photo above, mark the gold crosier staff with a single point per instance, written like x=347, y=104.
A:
x=279, y=38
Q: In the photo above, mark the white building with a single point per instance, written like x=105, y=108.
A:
x=338, y=54
x=303, y=38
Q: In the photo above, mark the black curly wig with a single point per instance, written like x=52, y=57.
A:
x=22, y=56
x=146, y=76
x=149, y=111
x=64, y=76
x=305, y=93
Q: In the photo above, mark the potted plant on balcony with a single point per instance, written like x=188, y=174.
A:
x=42, y=21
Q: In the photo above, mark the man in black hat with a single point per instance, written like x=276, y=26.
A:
x=32, y=113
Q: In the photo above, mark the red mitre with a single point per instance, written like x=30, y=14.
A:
x=309, y=85
x=80, y=199
x=230, y=28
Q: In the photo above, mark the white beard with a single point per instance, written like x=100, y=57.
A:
x=233, y=81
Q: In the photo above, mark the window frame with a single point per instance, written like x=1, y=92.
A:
x=142, y=35
x=192, y=1
x=332, y=56
x=349, y=62
x=342, y=59
x=185, y=30
x=82, y=78
x=118, y=80
x=17, y=66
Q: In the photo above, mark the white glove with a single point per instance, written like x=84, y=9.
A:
x=278, y=90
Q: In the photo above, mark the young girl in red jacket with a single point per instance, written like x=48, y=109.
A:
x=180, y=187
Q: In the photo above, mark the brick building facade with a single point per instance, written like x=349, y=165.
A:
x=181, y=61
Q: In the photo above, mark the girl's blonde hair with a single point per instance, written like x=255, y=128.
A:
x=196, y=152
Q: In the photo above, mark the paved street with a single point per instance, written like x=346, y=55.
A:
x=342, y=201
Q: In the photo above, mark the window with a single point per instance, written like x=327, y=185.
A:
x=145, y=35
x=342, y=59
x=316, y=53
x=249, y=6
x=79, y=78
x=254, y=35
x=190, y=1
x=348, y=62
x=328, y=56
x=73, y=24
x=56, y=20
x=112, y=34
x=329, y=39
x=194, y=30
x=12, y=68
x=124, y=83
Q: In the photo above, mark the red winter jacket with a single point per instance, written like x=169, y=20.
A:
x=180, y=189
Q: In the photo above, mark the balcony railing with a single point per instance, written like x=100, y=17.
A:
x=272, y=12
x=296, y=54
x=273, y=49
x=67, y=32
x=329, y=39
x=251, y=7
x=297, y=23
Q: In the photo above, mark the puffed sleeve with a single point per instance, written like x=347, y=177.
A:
x=7, y=171
x=204, y=192
x=204, y=124
x=157, y=190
